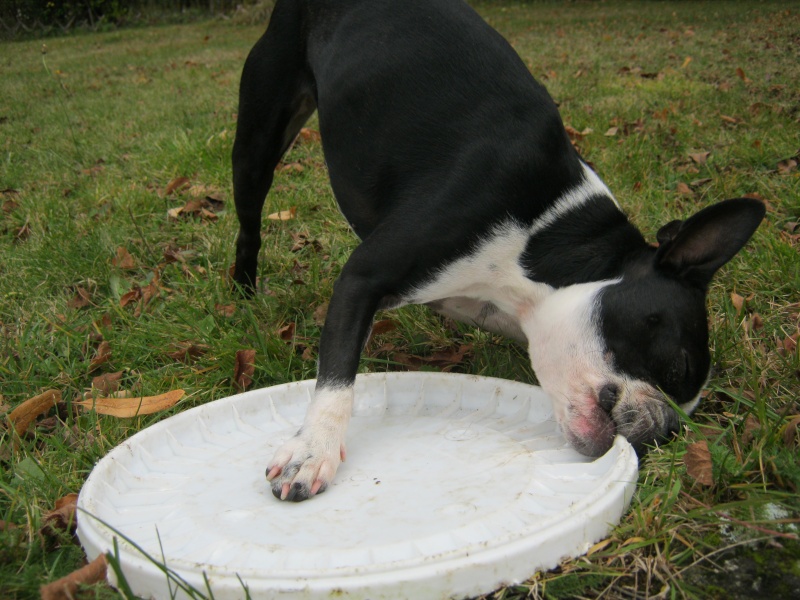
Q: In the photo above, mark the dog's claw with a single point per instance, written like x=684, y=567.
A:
x=302, y=468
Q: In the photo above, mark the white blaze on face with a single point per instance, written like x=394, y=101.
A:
x=568, y=355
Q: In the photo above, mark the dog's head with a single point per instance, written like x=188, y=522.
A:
x=609, y=353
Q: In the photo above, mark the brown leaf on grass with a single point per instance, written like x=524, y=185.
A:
x=131, y=296
x=176, y=185
x=244, y=367
x=188, y=352
x=700, y=182
x=700, y=158
x=698, y=463
x=741, y=74
x=383, y=326
x=320, y=313
x=294, y=167
x=62, y=517
x=751, y=426
x=301, y=240
x=283, y=215
x=612, y=131
x=788, y=345
x=27, y=412
x=684, y=189
x=66, y=588
x=309, y=135
x=132, y=407
x=444, y=359
x=787, y=165
x=791, y=433
x=200, y=208
x=737, y=301
x=756, y=322
x=226, y=310
x=123, y=259
x=81, y=299
x=97, y=168
x=102, y=355
x=576, y=135
x=107, y=384
x=286, y=333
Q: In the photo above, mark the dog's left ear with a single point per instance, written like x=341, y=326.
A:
x=696, y=248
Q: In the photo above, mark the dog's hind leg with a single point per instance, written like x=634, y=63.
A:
x=276, y=97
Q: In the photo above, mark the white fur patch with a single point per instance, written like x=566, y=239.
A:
x=491, y=273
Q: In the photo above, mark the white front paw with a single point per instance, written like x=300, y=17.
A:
x=302, y=468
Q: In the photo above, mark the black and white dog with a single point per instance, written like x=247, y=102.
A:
x=452, y=165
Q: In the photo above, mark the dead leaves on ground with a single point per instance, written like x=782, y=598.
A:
x=244, y=368
x=62, y=517
x=132, y=406
x=66, y=588
x=202, y=203
x=26, y=413
x=698, y=463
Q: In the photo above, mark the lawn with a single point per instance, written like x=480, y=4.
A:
x=116, y=239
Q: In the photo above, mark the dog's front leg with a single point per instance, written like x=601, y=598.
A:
x=306, y=463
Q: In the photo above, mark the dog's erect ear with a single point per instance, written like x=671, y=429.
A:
x=694, y=249
x=668, y=232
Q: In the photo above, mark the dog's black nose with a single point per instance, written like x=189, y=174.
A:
x=608, y=397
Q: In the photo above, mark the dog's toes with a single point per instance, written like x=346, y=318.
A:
x=299, y=470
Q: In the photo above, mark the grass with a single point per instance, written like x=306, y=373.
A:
x=94, y=128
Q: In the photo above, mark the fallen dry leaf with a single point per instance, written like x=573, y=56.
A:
x=309, y=135
x=384, y=326
x=102, y=355
x=283, y=215
x=700, y=158
x=131, y=296
x=123, y=259
x=751, y=426
x=684, y=189
x=132, y=407
x=66, y=588
x=791, y=433
x=244, y=367
x=226, y=310
x=188, y=352
x=301, y=240
x=27, y=412
x=176, y=185
x=788, y=345
x=698, y=463
x=62, y=518
x=787, y=165
x=741, y=74
x=81, y=299
x=286, y=333
x=612, y=131
x=445, y=359
x=107, y=384
x=737, y=301
x=319, y=314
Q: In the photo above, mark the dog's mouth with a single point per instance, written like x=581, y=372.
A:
x=643, y=418
x=589, y=428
